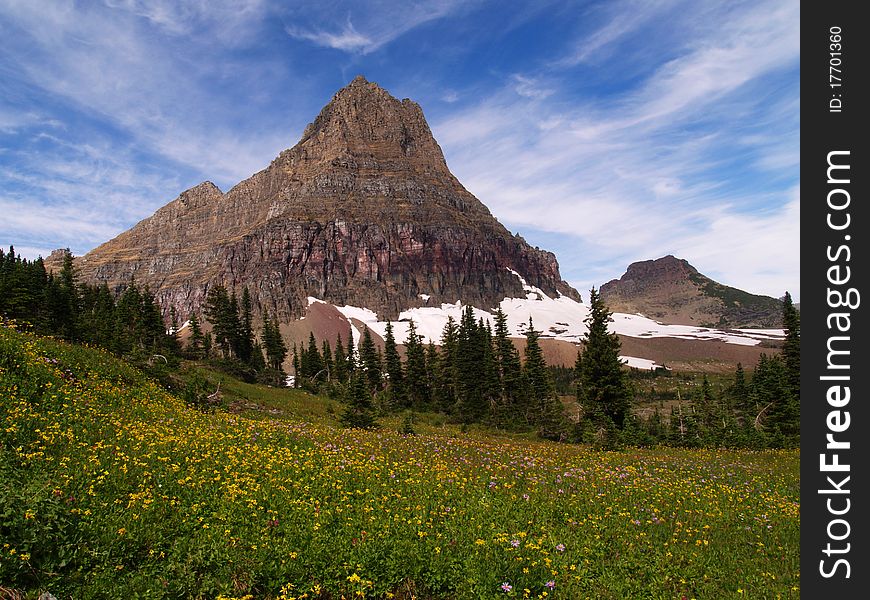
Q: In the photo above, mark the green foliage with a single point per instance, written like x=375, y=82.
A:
x=359, y=412
x=394, y=371
x=112, y=488
x=370, y=361
x=602, y=388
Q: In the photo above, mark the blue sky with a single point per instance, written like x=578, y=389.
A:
x=608, y=131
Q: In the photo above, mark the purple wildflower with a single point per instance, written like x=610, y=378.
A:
x=506, y=587
x=560, y=548
x=550, y=584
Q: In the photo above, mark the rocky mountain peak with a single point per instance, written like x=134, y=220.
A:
x=363, y=211
x=364, y=125
x=671, y=290
x=667, y=268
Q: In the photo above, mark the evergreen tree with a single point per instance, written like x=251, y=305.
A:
x=340, y=362
x=445, y=367
x=197, y=340
x=370, y=361
x=328, y=362
x=219, y=312
x=489, y=373
x=359, y=412
x=315, y=361
x=510, y=372
x=603, y=389
x=207, y=345
x=68, y=306
x=296, y=366
x=416, y=378
x=246, y=328
x=545, y=409
x=791, y=349
x=740, y=391
x=393, y=368
x=276, y=349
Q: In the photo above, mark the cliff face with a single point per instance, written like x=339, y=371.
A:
x=672, y=291
x=362, y=211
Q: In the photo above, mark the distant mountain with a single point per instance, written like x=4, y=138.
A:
x=672, y=291
x=362, y=211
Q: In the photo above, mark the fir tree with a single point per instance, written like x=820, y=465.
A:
x=393, y=368
x=604, y=392
x=219, y=312
x=445, y=367
x=510, y=371
x=791, y=349
x=315, y=361
x=197, y=340
x=370, y=361
x=276, y=349
x=340, y=362
x=296, y=366
x=544, y=407
x=359, y=412
x=246, y=328
x=416, y=377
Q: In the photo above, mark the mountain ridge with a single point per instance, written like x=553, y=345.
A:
x=362, y=210
x=672, y=291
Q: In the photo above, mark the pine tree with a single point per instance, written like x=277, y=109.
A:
x=68, y=315
x=296, y=366
x=545, y=408
x=791, y=349
x=370, y=361
x=197, y=340
x=359, y=412
x=416, y=377
x=246, y=328
x=602, y=384
x=446, y=369
x=328, y=363
x=219, y=312
x=470, y=405
x=490, y=378
x=341, y=367
x=510, y=372
x=393, y=368
x=315, y=361
x=276, y=349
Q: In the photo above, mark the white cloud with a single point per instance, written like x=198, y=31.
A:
x=348, y=39
x=366, y=29
x=651, y=172
x=530, y=87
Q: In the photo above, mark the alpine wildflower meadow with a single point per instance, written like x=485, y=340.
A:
x=110, y=486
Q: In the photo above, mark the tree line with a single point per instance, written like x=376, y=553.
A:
x=129, y=324
x=475, y=375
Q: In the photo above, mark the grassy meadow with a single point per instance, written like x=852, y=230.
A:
x=112, y=487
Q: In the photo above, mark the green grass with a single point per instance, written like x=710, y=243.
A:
x=111, y=487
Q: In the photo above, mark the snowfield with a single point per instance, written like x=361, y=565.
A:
x=557, y=318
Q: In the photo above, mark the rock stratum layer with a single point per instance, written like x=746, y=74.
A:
x=363, y=211
x=672, y=291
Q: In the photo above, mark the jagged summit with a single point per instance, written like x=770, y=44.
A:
x=363, y=210
x=670, y=290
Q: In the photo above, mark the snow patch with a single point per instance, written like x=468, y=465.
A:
x=640, y=363
x=172, y=330
x=560, y=318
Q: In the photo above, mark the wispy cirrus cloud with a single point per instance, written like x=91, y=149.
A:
x=367, y=27
x=667, y=165
x=608, y=132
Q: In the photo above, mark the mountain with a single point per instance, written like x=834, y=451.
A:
x=672, y=291
x=363, y=210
